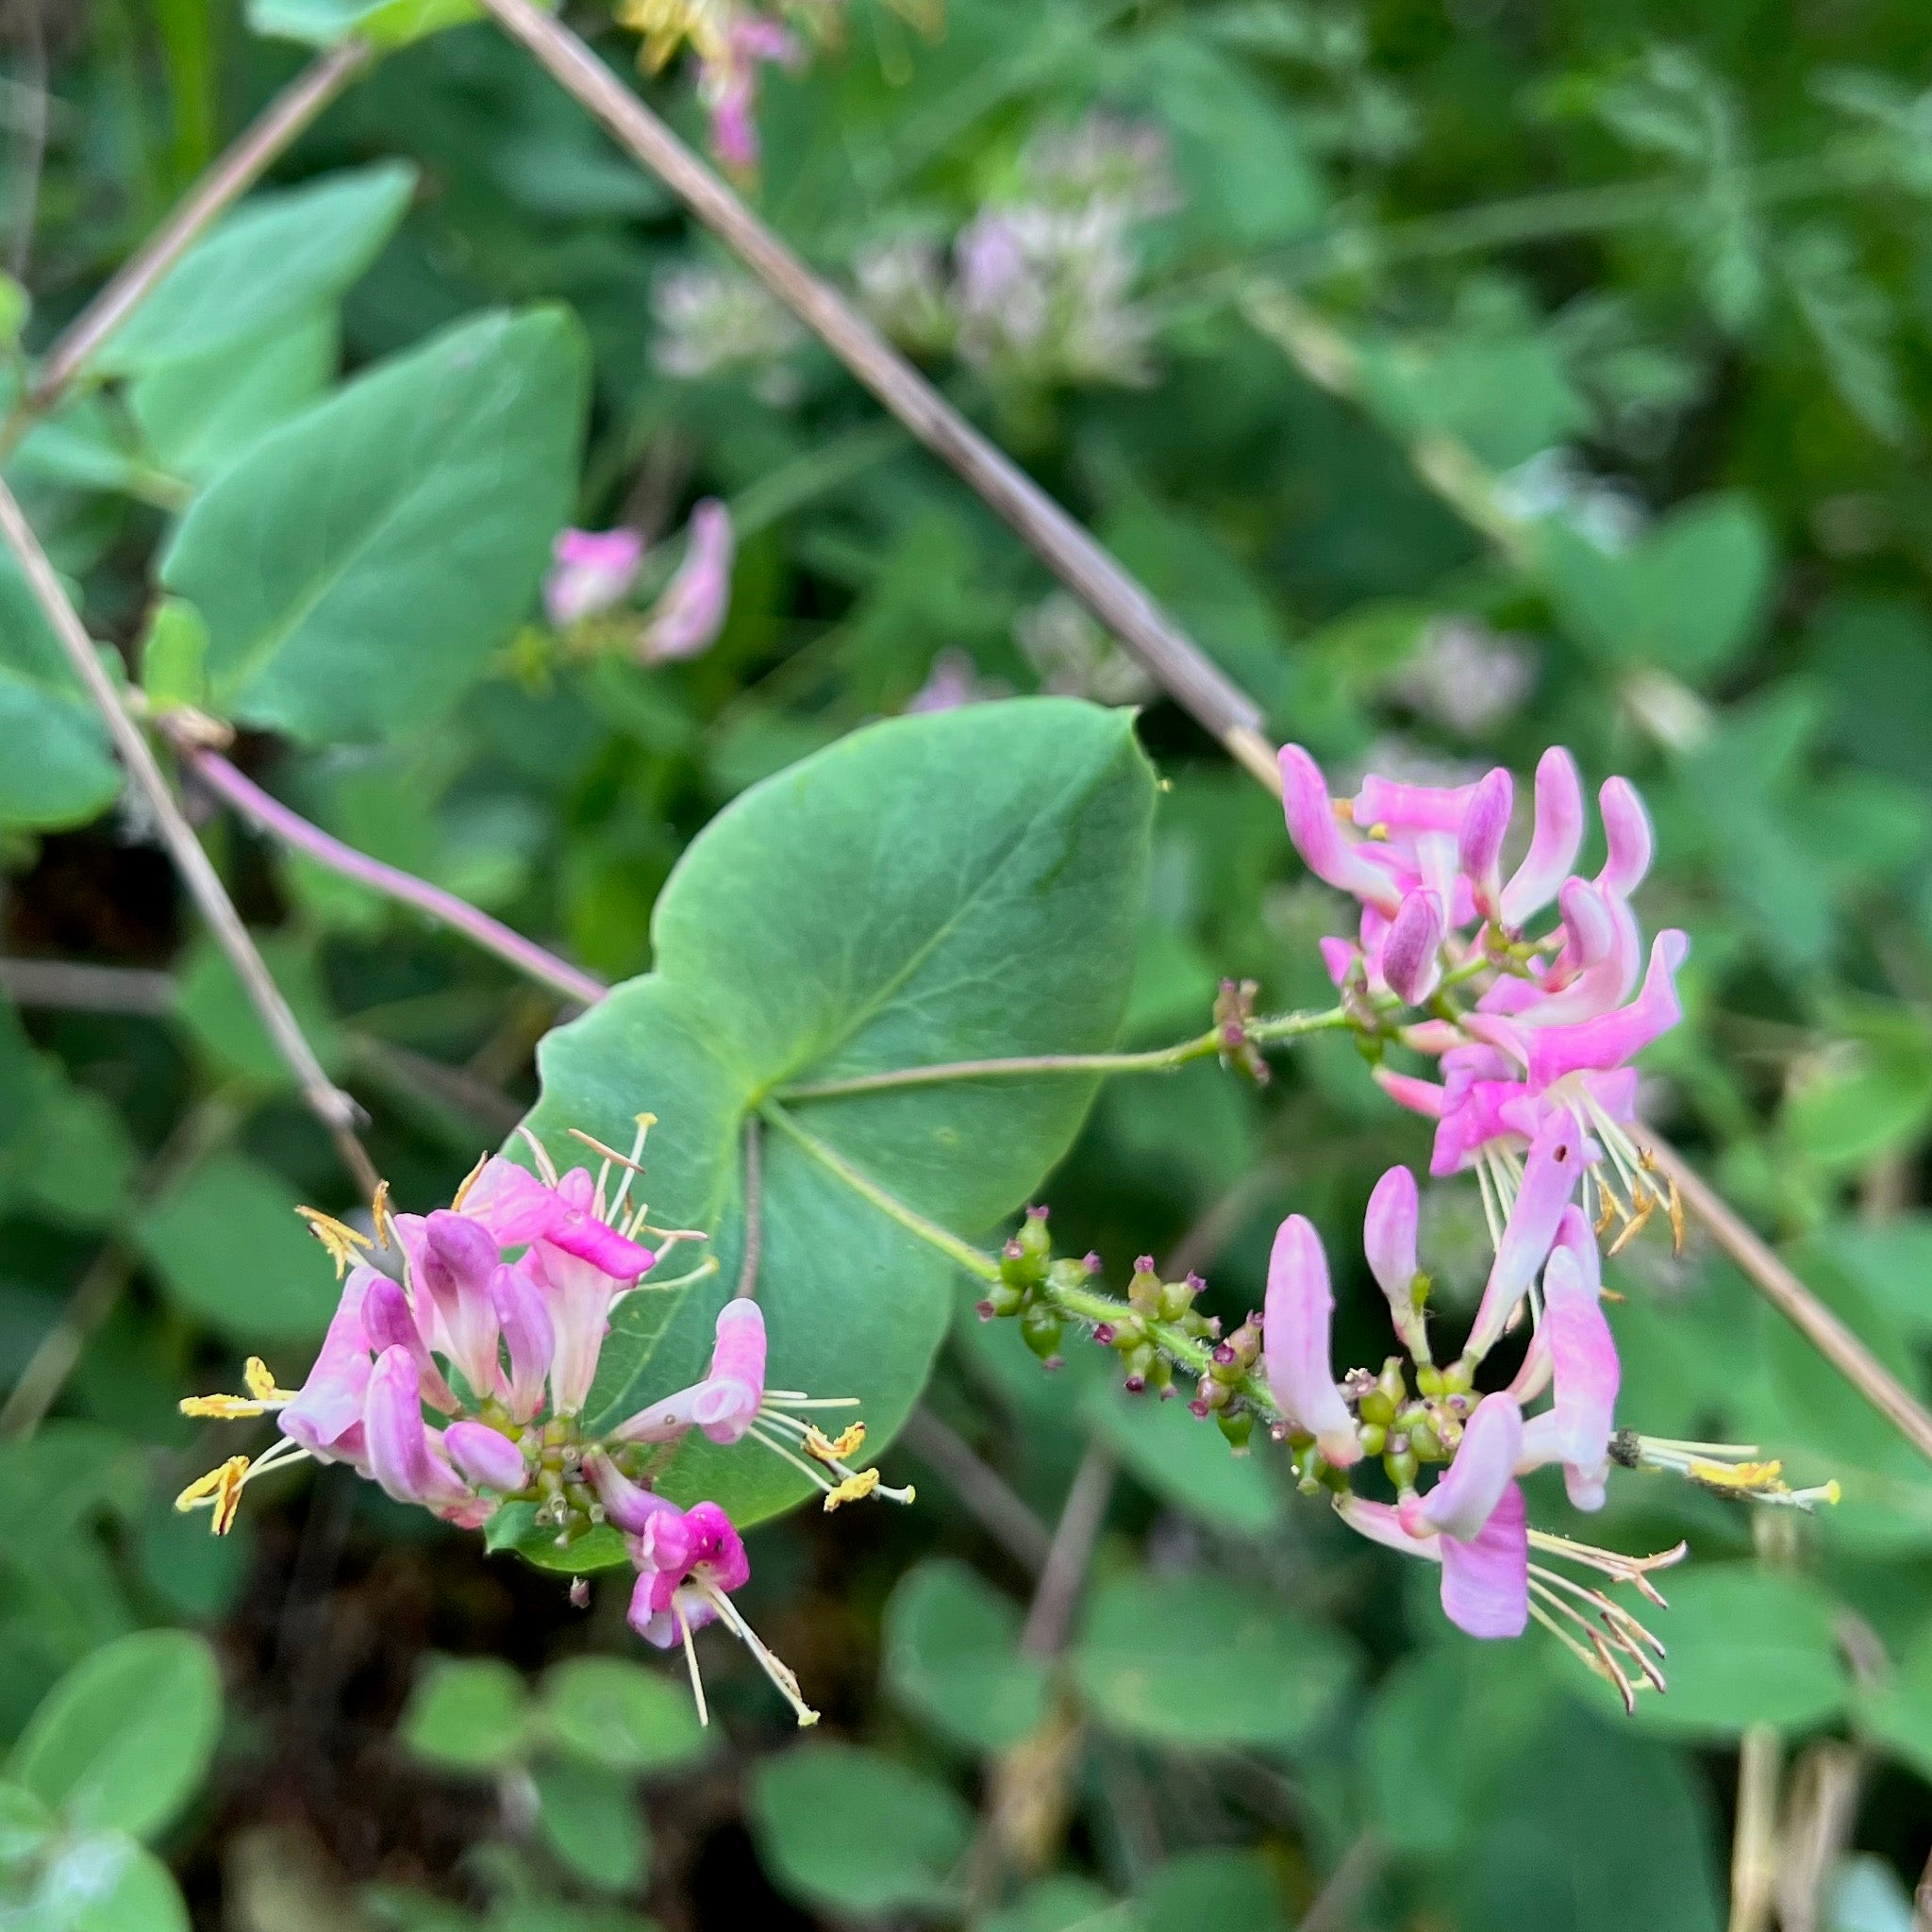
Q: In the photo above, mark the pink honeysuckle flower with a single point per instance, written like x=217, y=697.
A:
x=688, y=616
x=1485, y=824
x=1388, y=1239
x=1485, y=1579
x=1359, y=869
x=578, y=1227
x=689, y=1565
x=1604, y=1043
x=1411, y=948
x=1485, y=1585
x=732, y=1405
x=1627, y=835
x=728, y=85
x=390, y=1322
x=1582, y=1354
x=456, y=1258
x=1295, y=1321
x=1483, y=1467
x=578, y=1297
x=485, y=1457
x=510, y=1201
x=1555, y=842
x=592, y=572
x=325, y=1415
x=529, y=1337
x=1550, y=1176
x=406, y=1456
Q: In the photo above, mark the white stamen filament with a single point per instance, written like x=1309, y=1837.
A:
x=780, y=1676
x=690, y=1658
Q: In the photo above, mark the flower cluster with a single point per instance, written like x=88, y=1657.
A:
x=594, y=572
x=460, y=1382
x=713, y=319
x=1041, y=282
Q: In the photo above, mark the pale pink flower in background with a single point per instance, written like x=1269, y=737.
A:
x=592, y=572
x=690, y=612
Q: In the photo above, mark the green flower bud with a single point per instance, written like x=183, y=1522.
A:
x=1039, y=1329
x=1238, y=1426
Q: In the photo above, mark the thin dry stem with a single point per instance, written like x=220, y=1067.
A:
x=334, y=1108
x=1087, y=569
x=231, y=176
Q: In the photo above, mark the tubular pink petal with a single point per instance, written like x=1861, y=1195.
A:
x=458, y=1258
x=391, y=1324
x=576, y=1230
x=628, y=1505
x=665, y=1420
x=1338, y=957
x=1599, y=959
x=1483, y=1468
x=686, y=620
x=1627, y=835
x=577, y=1294
x=1583, y=1353
x=528, y=1334
x=1400, y=807
x=1557, y=1157
x=510, y=1203
x=1381, y=1523
x=1606, y=1042
x=1554, y=845
x=400, y=1455
x=1420, y=1096
x=327, y=1411
x=1411, y=962
x=738, y=1352
x=1485, y=824
x=590, y=571
x=1318, y=840
x=1294, y=1333
x=489, y=1459
x=1485, y=1579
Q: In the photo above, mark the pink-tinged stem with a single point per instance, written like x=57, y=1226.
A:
x=256, y=804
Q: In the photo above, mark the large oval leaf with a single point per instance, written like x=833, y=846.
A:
x=356, y=566
x=125, y=1738
x=958, y=887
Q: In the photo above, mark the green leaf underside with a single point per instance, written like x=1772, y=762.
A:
x=356, y=565
x=955, y=887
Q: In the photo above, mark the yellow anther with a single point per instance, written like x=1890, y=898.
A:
x=222, y=1488
x=842, y=1448
x=1645, y=1204
x=262, y=1385
x=852, y=1490
x=341, y=1240
x=221, y=1408
x=379, y=1216
x=470, y=1180
x=1740, y=1479
x=1676, y=1220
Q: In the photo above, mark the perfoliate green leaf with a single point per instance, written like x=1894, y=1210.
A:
x=173, y=657
x=469, y=1714
x=123, y=1740
x=853, y=1831
x=953, y=1657
x=275, y=261
x=356, y=565
x=955, y=887
x=1198, y=1660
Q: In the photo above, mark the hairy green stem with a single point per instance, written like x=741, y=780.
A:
x=1157, y=1060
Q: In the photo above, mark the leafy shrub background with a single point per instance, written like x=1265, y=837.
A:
x=1504, y=375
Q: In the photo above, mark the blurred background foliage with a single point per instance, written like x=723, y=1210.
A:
x=1466, y=379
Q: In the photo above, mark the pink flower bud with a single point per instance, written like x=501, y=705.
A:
x=1627, y=832
x=1318, y=840
x=390, y=1322
x=1411, y=951
x=687, y=618
x=590, y=572
x=1389, y=1238
x=628, y=1505
x=1294, y=1334
x=489, y=1459
x=400, y=1456
x=459, y=1255
x=1485, y=824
